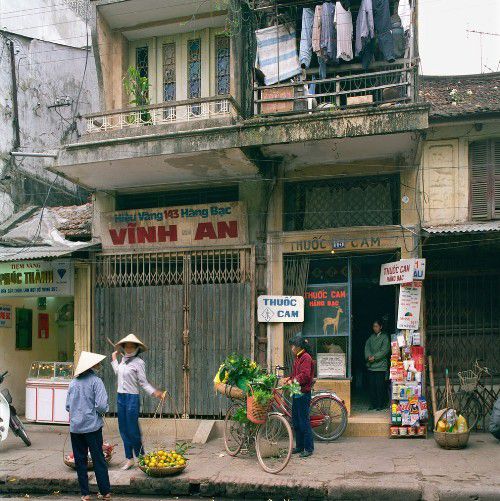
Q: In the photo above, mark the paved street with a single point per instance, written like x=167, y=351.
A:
x=352, y=468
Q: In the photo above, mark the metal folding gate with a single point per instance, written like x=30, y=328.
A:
x=192, y=308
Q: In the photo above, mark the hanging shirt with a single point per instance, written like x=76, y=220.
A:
x=328, y=40
x=344, y=29
x=132, y=375
x=404, y=12
x=365, y=28
x=86, y=402
x=316, y=31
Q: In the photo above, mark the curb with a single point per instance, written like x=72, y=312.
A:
x=277, y=489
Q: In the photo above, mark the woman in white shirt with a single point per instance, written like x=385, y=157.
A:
x=131, y=376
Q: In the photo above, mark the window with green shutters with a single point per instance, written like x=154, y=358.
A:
x=485, y=179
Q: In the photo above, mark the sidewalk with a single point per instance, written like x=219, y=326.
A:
x=351, y=468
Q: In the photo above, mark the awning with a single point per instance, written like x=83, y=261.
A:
x=462, y=228
x=42, y=252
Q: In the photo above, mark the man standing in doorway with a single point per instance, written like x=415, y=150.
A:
x=377, y=350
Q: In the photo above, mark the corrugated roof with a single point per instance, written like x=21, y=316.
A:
x=469, y=227
x=461, y=95
x=41, y=252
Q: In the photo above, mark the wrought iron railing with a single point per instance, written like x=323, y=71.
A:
x=166, y=113
x=387, y=84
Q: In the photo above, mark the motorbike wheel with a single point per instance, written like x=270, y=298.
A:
x=20, y=431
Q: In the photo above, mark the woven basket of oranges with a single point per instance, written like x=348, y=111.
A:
x=163, y=463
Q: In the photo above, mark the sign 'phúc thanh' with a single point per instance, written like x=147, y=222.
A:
x=186, y=226
x=37, y=278
x=399, y=272
x=280, y=309
x=409, y=306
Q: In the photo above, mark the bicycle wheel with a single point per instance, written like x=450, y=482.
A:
x=470, y=407
x=328, y=418
x=273, y=443
x=234, y=431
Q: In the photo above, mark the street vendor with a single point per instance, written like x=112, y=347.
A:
x=131, y=372
x=377, y=349
x=87, y=402
x=303, y=373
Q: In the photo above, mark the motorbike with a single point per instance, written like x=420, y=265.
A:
x=9, y=417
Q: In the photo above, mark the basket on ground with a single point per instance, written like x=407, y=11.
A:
x=257, y=413
x=229, y=391
x=107, y=449
x=451, y=440
x=162, y=472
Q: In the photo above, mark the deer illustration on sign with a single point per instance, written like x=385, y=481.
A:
x=332, y=321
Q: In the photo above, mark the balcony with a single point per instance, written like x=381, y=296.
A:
x=173, y=116
x=387, y=85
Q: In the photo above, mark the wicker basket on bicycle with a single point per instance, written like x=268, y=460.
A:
x=257, y=413
x=229, y=391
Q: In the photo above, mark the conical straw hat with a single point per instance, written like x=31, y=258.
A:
x=87, y=361
x=132, y=338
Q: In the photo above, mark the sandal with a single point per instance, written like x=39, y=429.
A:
x=85, y=498
x=107, y=496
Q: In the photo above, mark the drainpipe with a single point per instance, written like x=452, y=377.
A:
x=15, y=109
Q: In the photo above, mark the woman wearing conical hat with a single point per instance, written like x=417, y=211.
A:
x=87, y=402
x=131, y=372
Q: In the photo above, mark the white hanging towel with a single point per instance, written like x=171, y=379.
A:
x=277, y=53
x=343, y=24
x=404, y=12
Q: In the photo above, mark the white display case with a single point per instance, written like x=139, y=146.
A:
x=46, y=391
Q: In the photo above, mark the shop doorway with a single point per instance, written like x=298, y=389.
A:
x=370, y=301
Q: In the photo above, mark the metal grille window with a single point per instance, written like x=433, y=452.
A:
x=222, y=51
x=141, y=61
x=194, y=68
x=169, y=72
x=485, y=179
x=372, y=201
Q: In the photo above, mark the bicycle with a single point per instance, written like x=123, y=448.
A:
x=273, y=439
x=478, y=399
x=328, y=413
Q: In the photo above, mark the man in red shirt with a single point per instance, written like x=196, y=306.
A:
x=303, y=373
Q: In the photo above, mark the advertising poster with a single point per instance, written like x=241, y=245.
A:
x=409, y=306
x=5, y=315
x=326, y=310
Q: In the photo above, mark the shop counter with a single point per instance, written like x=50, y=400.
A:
x=46, y=390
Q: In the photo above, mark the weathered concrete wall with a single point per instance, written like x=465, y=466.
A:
x=111, y=50
x=445, y=170
x=46, y=73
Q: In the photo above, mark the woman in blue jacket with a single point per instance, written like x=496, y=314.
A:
x=87, y=402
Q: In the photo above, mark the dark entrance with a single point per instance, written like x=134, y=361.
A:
x=369, y=302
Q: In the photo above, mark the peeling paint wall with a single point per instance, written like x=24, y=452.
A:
x=46, y=72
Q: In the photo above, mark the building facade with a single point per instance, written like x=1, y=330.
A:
x=460, y=179
x=216, y=182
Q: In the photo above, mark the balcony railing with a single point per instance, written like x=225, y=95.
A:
x=386, y=84
x=171, y=112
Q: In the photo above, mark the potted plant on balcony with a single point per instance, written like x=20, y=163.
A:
x=137, y=87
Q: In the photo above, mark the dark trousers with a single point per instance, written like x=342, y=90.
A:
x=301, y=423
x=377, y=386
x=82, y=443
x=128, y=424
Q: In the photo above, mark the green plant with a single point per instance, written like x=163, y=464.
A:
x=237, y=370
x=241, y=416
x=137, y=87
x=262, y=396
x=293, y=388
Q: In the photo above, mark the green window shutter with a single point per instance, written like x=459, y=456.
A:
x=480, y=168
x=24, y=329
x=496, y=178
